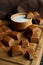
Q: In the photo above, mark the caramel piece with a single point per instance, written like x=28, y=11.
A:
x=3, y=47
x=2, y=33
x=8, y=41
x=39, y=20
x=24, y=43
x=30, y=15
x=30, y=30
x=36, y=14
x=33, y=28
x=16, y=50
x=15, y=35
x=36, y=36
x=6, y=29
x=30, y=54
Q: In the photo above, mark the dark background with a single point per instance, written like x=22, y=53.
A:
x=12, y=6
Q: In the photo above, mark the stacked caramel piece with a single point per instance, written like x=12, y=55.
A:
x=36, y=17
x=4, y=30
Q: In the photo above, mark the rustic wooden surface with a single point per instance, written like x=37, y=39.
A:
x=2, y=62
x=19, y=60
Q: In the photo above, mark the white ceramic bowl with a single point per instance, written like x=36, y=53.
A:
x=19, y=21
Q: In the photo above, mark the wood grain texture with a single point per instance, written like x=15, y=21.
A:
x=2, y=62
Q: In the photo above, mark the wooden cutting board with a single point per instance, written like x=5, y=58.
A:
x=20, y=60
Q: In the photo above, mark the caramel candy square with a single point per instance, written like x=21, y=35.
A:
x=4, y=47
x=15, y=35
x=8, y=41
x=6, y=29
x=39, y=20
x=36, y=36
x=30, y=15
x=16, y=50
x=36, y=14
x=33, y=28
x=30, y=54
x=30, y=30
x=24, y=43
